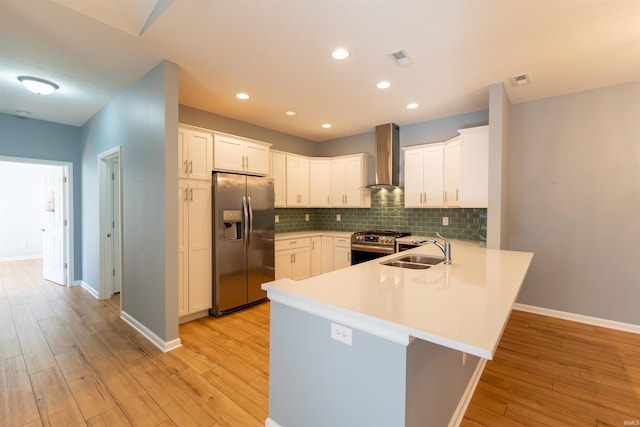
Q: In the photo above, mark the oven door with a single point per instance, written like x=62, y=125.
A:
x=363, y=253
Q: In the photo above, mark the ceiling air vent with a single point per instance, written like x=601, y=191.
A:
x=520, y=79
x=401, y=57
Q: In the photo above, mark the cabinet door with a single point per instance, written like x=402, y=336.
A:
x=279, y=175
x=353, y=181
x=341, y=257
x=327, y=254
x=413, y=178
x=228, y=154
x=337, y=182
x=474, y=167
x=319, y=183
x=283, y=262
x=183, y=154
x=301, y=267
x=452, y=173
x=316, y=256
x=200, y=155
x=199, y=245
x=433, y=175
x=183, y=250
x=297, y=181
x=257, y=158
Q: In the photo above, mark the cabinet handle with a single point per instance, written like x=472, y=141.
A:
x=294, y=258
x=313, y=245
x=186, y=167
x=457, y=192
x=328, y=200
x=186, y=194
x=190, y=166
x=346, y=199
x=247, y=162
x=191, y=194
x=446, y=196
x=421, y=197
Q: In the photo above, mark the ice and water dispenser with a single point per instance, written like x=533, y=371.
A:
x=232, y=220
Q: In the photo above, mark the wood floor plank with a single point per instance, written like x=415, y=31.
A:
x=90, y=393
x=57, y=335
x=36, y=351
x=112, y=417
x=56, y=404
x=17, y=401
x=134, y=401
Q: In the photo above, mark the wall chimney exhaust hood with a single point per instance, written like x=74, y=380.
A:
x=387, y=156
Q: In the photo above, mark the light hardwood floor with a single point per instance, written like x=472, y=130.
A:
x=67, y=359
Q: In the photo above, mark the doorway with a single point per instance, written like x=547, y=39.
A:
x=110, y=195
x=36, y=214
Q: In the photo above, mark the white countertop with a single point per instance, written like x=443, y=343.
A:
x=464, y=306
x=301, y=234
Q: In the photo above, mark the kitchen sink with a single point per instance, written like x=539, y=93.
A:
x=421, y=259
x=402, y=264
x=414, y=262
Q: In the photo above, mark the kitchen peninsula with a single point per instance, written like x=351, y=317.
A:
x=378, y=345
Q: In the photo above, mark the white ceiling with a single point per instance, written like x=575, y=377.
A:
x=278, y=52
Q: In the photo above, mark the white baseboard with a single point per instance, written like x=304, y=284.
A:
x=164, y=346
x=461, y=409
x=87, y=288
x=20, y=258
x=595, y=321
x=270, y=423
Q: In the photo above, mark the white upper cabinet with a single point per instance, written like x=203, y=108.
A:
x=474, y=167
x=278, y=172
x=349, y=175
x=195, y=154
x=424, y=176
x=240, y=155
x=297, y=181
x=319, y=183
x=454, y=173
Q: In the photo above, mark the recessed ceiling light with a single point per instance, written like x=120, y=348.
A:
x=383, y=84
x=326, y=125
x=38, y=85
x=242, y=95
x=290, y=113
x=412, y=105
x=340, y=54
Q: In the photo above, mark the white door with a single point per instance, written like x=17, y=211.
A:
x=53, y=229
x=114, y=213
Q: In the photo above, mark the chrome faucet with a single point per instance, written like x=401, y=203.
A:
x=444, y=247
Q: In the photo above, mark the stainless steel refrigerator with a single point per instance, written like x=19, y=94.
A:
x=243, y=240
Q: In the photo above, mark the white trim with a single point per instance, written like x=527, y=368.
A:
x=461, y=409
x=595, y=321
x=20, y=258
x=162, y=345
x=270, y=423
x=87, y=288
x=193, y=316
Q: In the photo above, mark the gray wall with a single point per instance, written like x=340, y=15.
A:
x=575, y=201
x=281, y=141
x=143, y=120
x=37, y=139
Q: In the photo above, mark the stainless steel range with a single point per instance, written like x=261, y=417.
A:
x=368, y=245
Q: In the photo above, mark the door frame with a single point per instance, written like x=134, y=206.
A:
x=67, y=197
x=105, y=255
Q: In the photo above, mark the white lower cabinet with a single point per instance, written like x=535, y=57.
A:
x=327, y=254
x=293, y=258
x=341, y=252
x=316, y=255
x=194, y=246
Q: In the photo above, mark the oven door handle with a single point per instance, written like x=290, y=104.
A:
x=372, y=248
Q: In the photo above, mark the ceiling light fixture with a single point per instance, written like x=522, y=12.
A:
x=413, y=105
x=383, y=84
x=290, y=113
x=326, y=125
x=340, y=54
x=242, y=96
x=38, y=85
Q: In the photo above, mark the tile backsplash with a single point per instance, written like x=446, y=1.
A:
x=387, y=212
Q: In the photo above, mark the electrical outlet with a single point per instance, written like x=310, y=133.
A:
x=445, y=220
x=277, y=219
x=338, y=217
x=341, y=333
x=306, y=217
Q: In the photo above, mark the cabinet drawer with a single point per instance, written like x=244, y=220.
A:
x=281, y=245
x=342, y=242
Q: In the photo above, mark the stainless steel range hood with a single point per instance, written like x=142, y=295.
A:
x=387, y=156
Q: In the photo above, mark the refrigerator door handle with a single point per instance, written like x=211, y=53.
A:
x=245, y=211
x=250, y=223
